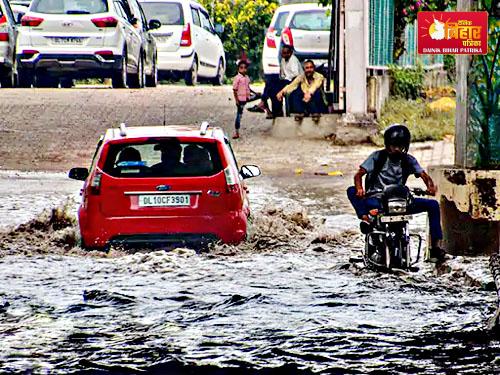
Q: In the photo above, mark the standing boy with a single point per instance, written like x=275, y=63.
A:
x=241, y=90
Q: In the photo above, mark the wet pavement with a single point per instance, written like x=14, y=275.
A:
x=286, y=302
x=23, y=195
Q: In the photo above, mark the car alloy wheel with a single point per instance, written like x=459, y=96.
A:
x=219, y=78
x=192, y=74
x=152, y=80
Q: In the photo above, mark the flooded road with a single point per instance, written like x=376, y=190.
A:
x=288, y=301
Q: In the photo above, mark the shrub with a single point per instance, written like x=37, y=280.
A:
x=424, y=123
x=407, y=83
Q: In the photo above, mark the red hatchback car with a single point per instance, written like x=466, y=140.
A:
x=163, y=185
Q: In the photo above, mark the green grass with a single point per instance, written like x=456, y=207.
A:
x=424, y=123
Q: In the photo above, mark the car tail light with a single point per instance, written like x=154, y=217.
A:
x=31, y=21
x=105, y=22
x=270, y=41
x=95, y=184
x=3, y=19
x=287, y=36
x=107, y=55
x=186, y=36
x=231, y=180
x=29, y=53
x=4, y=37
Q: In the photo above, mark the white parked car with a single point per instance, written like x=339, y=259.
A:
x=8, y=32
x=19, y=11
x=270, y=51
x=67, y=39
x=305, y=27
x=188, y=44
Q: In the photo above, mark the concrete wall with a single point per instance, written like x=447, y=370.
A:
x=356, y=55
x=470, y=209
x=378, y=90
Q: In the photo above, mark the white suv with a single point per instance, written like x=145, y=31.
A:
x=305, y=27
x=83, y=39
x=7, y=45
x=187, y=42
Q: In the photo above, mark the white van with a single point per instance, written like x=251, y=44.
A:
x=305, y=27
x=187, y=41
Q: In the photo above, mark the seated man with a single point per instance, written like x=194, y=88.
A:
x=392, y=166
x=171, y=151
x=197, y=161
x=129, y=154
x=129, y=162
x=306, y=93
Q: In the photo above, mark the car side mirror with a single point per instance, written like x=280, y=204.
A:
x=79, y=174
x=154, y=24
x=249, y=171
x=219, y=29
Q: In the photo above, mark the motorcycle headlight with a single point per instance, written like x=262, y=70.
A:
x=396, y=207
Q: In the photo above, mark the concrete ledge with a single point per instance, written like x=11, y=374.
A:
x=476, y=192
x=341, y=129
x=470, y=209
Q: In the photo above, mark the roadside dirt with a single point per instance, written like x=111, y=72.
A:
x=55, y=129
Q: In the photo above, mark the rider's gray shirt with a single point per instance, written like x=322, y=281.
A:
x=391, y=173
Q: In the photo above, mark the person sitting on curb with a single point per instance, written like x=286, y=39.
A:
x=306, y=95
x=290, y=67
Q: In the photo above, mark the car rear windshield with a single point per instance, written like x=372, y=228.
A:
x=280, y=22
x=166, y=13
x=162, y=158
x=314, y=20
x=69, y=6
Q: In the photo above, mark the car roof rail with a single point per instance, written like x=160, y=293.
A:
x=123, y=130
x=204, y=127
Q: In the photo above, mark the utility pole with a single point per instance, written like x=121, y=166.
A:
x=462, y=157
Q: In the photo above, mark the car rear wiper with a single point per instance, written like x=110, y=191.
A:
x=77, y=12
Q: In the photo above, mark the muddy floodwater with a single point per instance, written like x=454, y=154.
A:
x=288, y=301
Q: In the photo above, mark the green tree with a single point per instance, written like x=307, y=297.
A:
x=245, y=23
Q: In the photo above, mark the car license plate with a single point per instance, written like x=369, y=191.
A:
x=396, y=218
x=162, y=39
x=164, y=200
x=68, y=40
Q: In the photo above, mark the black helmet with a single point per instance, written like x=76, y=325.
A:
x=397, y=135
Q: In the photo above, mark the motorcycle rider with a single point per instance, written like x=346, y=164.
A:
x=392, y=166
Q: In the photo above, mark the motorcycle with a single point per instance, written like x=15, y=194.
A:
x=387, y=236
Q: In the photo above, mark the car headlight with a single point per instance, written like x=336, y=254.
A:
x=397, y=207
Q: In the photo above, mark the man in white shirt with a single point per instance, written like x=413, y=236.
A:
x=290, y=66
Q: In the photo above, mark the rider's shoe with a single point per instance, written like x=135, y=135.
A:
x=437, y=255
x=365, y=227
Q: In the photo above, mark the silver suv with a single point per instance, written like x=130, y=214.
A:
x=67, y=39
x=8, y=33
